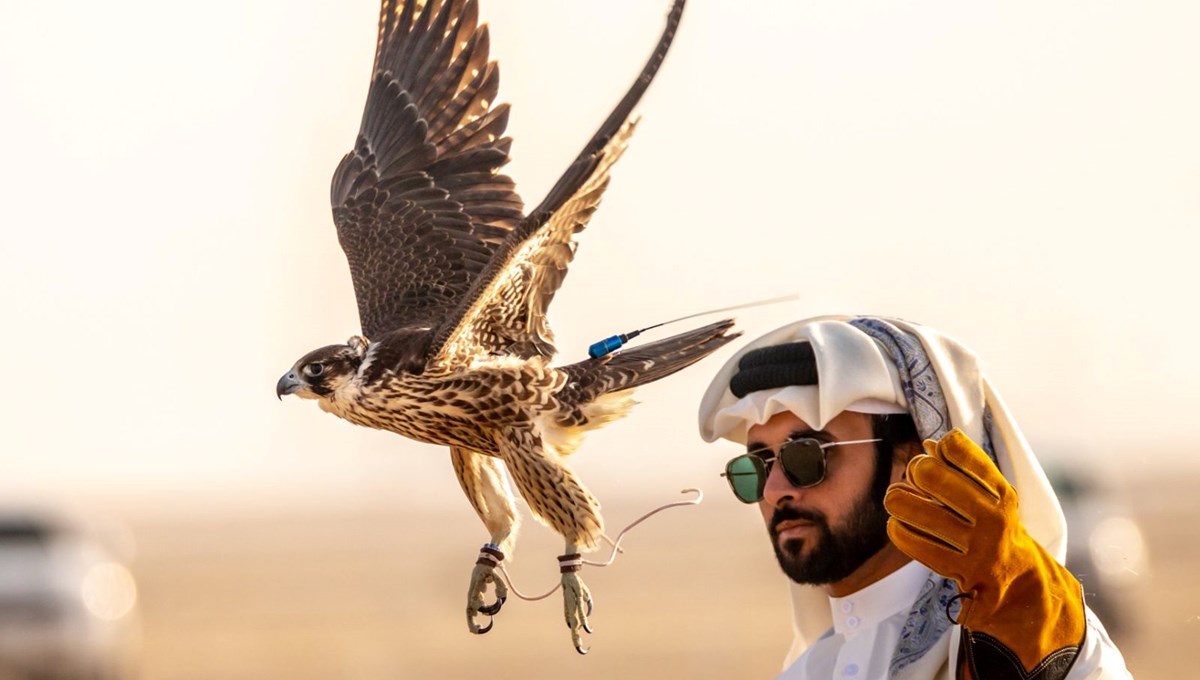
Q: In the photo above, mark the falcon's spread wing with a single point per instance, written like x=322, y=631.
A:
x=419, y=204
x=510, y=316
x=505, y=310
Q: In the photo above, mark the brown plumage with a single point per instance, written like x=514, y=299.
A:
x=453, y=279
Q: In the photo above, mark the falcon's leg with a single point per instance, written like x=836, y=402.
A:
x=485, y=483
x=557, y=498
x=577, y=599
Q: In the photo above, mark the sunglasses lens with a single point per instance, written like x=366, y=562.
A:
x=746, y=475
x=803, y=462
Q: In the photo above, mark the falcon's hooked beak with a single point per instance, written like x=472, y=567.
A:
x=288, y=384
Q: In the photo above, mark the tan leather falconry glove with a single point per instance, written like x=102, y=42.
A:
x=1023, y=614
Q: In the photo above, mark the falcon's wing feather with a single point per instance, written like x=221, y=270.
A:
x=419, y=203
x=505, y=310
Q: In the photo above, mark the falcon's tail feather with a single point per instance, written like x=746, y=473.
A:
x=644, y=364
x=630, y=368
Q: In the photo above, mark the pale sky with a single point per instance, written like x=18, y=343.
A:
x=1022, y=176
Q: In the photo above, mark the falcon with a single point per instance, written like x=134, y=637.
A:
x=453, y=278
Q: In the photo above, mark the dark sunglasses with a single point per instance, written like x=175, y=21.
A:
x=802, y=460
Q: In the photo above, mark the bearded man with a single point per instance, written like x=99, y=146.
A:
x=888, y=473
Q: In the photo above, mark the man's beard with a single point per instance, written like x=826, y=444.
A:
x=834, y=555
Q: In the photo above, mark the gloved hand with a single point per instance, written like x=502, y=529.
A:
x=1023, y=614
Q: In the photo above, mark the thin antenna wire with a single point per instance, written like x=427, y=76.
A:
x=615, y=342
x=744, y=305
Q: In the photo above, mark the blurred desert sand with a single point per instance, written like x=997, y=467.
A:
x=377, y=591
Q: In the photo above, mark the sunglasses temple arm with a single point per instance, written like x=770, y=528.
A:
x=852, y=441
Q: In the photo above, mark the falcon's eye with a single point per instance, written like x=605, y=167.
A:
x=313, y=370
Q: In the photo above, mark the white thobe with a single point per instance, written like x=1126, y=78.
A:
x=867, y=625
x=866, y=628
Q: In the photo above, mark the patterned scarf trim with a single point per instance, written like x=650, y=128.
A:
x=926, y=622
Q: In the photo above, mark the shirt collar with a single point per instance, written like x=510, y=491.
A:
x=868, y=607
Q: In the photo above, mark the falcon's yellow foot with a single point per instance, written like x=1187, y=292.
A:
x=483, y=574
x=577, y=599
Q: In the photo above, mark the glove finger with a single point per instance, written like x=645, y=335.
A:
x=920, y=513
x=924, y=548
x=930, y=446
x=947, y=485
x=957, y=449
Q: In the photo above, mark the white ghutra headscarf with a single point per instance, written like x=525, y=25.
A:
x=880, y=365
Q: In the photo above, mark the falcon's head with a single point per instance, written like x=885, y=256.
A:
x=323, y=371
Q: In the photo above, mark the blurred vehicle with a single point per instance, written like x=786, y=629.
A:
x=1105, y=548
x=67, y=602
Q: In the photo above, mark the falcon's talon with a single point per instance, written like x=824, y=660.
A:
x=481, y=631
x=575, y=608
x=581, y=649
x=493, y=608
x=481, y=576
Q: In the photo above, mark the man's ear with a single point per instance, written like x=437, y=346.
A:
x=901, y=454
x=909, y=450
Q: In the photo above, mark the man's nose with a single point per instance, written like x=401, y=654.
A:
x=777, y=487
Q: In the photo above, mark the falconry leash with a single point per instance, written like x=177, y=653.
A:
x=576, y=562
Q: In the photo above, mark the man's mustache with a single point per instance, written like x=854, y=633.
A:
x=787, y=512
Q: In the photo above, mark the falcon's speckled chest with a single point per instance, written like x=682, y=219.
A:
x=455, y=407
